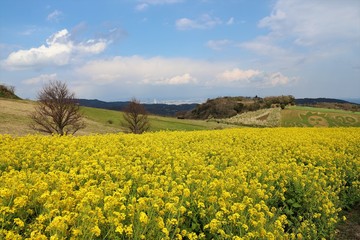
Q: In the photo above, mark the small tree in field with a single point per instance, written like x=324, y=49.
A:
x=136, y=117
x=57, y=111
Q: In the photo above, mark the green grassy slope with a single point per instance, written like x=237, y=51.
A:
x=14, y=119
x=296, y=116
x=157, y=123
x=318, y=117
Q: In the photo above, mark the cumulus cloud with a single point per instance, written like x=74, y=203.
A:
x=175, y=80
x=218, y=44
x=314, y=22
x=54, y=16
x=237, y=74
x=40, y=79
x=304, y=31
x=141, y=6
x=264, y=46
x=58, y=50
x=274, y=79
x=254, y=78
x=158, y=2
x=230, y=21
x=144, y=4
x=205, y=21
x=137, y=70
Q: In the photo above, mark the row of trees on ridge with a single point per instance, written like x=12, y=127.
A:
x=57, y=112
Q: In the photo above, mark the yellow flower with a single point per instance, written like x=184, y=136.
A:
x=143, y=218
x=129, y=230
x=160, y=222
x=119, y=229
x=76, y=232
x=233, y=179
x=96, y=231
x=19, y=222
x=20, y=201
x=165, y=231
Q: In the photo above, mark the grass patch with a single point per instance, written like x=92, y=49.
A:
x=318, y=117
x=323, y=110
x=157, y=123
x=104, y=116
x=14, y=120
x=269, y=117
x=166, y=123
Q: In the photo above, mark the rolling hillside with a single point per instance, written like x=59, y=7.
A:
x=295, y=116
x=300, y=116
x=7, y=92
x=156, y=109
x=14, y=120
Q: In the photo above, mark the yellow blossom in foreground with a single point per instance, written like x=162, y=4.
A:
x=280, y=183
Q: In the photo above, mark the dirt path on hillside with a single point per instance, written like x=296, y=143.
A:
x=350, y=229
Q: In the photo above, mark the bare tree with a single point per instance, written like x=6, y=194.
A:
x=57, y=111
x=136, y=117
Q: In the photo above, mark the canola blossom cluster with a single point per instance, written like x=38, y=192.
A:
x=280, y=183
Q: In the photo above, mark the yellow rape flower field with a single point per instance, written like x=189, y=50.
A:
x=280, y=183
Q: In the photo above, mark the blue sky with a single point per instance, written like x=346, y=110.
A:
x=182, y=49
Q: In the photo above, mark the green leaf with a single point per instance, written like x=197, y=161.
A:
x=296, y=205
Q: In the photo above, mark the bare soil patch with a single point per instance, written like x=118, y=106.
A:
x=350, y=228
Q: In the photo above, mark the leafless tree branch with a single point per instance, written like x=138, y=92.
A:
x=136, y=117
x=57, y=111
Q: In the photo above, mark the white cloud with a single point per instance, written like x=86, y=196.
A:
x=218, y=44
x=314, y=22
x=230, y=21
x=158, y=2
x=144, y=4
x=91, y=46
x=141, y=6
x=176, y=80
x=276, y=16
x=54, y=16
x=41, y=79
x=264, y=46
x=136, y=70
x=30, y=30
x=306, y=31
x=139, y=70
x=237, y=74
x=274, y=79
x=275, y=56
x=205, y=21
x=59, y=50
x=254, y=78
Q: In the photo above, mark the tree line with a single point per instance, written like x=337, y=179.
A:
x=57, y=112
x=225, y=107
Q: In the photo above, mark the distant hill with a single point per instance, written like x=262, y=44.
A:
x=7, y=92
x=330, y=103
x=157, y=109
x=14, y=120
x=303, y=101
x=226, y=107
x=353, y=100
